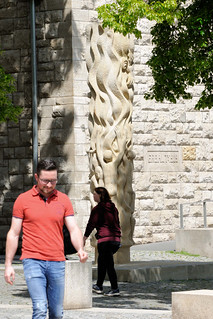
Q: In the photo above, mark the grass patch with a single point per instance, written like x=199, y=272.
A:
x=183, y=253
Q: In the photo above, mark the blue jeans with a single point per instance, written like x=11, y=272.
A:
x=45, y=282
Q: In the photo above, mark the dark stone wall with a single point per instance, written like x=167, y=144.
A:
x=55, y=107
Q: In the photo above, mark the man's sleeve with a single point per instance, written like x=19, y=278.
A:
x=68, y=207
x=18, y=211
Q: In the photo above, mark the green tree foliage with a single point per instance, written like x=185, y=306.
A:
x=183, y=43
x=8, y=111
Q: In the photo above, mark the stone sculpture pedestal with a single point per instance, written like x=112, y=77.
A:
x=123, y=255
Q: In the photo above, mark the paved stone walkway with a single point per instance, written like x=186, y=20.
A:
x=137, y=300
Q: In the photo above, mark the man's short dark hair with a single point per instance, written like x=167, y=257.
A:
x=46, y=165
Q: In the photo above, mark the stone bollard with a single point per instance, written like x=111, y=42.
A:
x=78, y=285
x=195, y=304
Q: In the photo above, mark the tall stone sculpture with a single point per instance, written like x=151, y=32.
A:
x=109, y=60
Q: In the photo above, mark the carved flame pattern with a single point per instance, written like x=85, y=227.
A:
x=109, y=60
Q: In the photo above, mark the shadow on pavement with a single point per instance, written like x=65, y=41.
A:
x=153, y=295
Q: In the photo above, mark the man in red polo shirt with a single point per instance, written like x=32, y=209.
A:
x=41, y=212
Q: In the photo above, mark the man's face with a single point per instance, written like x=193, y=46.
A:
x=46, y=182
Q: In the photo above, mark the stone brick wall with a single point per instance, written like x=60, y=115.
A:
x=163, y=126
x=63, y=100
x=61, y=124
x=16, y=139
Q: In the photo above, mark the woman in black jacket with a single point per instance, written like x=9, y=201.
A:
x=104, y=217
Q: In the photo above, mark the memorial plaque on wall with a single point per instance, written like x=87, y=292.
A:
x=162, y=159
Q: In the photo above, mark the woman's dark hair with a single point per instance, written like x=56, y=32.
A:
x=46, y=165
x=104, y=194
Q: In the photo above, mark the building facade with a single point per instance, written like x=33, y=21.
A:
x=172, y=142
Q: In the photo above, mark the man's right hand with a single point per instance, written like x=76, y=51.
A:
x=9, y=274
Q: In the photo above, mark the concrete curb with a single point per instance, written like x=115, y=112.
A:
x=141, y=272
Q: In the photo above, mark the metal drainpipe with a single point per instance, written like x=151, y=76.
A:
x=34, y=87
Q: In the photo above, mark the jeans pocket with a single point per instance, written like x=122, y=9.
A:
x=32, y=268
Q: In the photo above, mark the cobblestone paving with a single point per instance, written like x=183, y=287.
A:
x=137, y=300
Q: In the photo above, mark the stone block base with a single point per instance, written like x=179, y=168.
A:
x=195, y=241
x=197, y=304
x=78, y=285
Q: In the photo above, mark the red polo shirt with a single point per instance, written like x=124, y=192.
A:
x=42, y=224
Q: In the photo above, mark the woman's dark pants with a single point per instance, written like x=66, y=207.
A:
x=106, y=263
